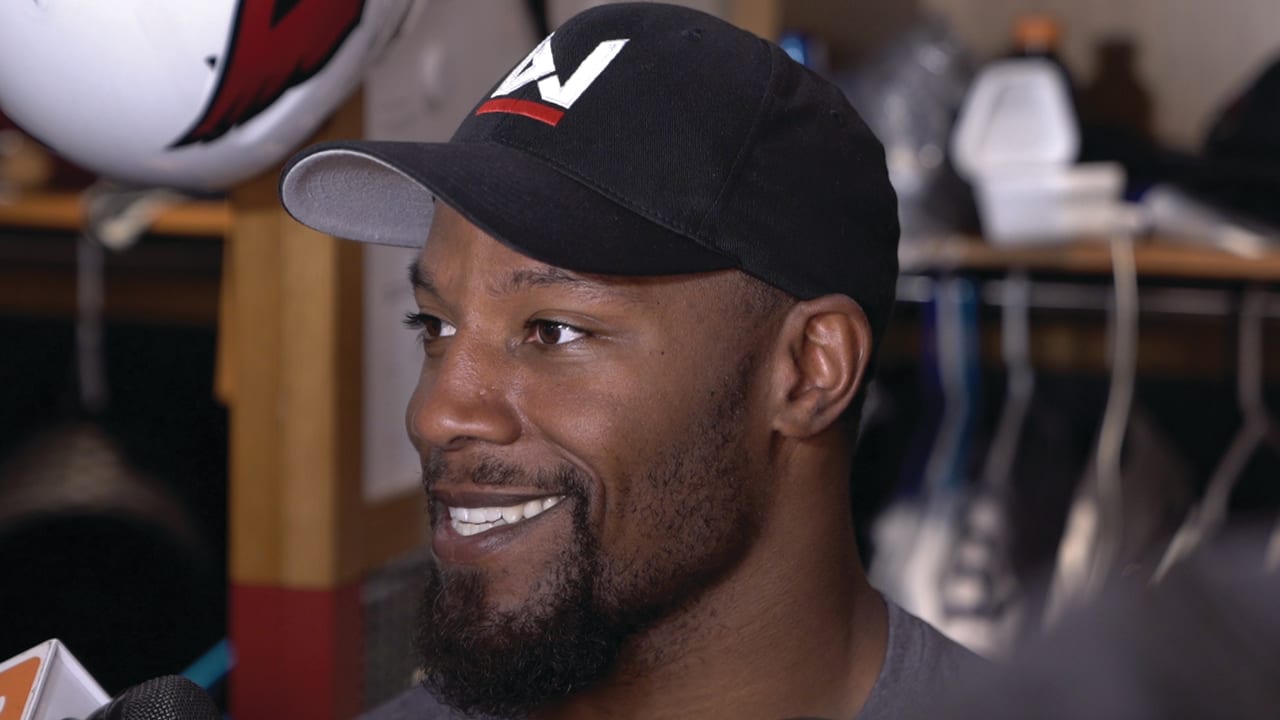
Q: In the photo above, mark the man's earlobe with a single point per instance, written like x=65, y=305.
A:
x=826, y=347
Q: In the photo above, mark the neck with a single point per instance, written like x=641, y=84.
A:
x=794, y=631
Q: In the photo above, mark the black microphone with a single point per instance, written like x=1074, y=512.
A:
x=171, y=697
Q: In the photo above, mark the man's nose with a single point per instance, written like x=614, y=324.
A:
x=463, y=396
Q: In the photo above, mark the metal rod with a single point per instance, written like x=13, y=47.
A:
x=1062, y=295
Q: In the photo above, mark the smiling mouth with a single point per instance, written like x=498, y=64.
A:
x=468, y=521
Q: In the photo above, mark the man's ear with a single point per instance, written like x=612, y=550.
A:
x=824, y=347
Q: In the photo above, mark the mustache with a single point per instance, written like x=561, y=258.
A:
x=563, y=479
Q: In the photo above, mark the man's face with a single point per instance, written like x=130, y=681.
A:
x=593, y=459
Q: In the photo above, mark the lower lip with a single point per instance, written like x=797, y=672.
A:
x=451, y=548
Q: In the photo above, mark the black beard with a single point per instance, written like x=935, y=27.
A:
x=570, y=633
x=484, y=662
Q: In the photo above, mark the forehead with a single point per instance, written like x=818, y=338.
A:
x=459, y=257
x=454, y=242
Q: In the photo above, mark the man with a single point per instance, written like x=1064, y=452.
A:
x=660, y=256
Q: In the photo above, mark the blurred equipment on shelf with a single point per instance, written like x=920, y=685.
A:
x=1039, y=35
x=1222, y=195
x=1036, y=35
x=1115, y=100
x=908, y=93
x=1016, y=142
x=1240, y=166
x=1174, y=215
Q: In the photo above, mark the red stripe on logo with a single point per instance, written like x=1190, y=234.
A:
x=537, y=111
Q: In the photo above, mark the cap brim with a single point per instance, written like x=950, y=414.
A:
x=384, y=192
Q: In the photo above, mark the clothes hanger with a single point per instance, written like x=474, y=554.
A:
x=957, y=350
x=1258, y=430
x=1093, y=535
x=895, y=528
x=978, y=583
x=930, y=530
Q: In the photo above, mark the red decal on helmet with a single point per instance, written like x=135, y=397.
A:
x=274, y=45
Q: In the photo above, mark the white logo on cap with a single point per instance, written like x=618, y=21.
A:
x=540, y=67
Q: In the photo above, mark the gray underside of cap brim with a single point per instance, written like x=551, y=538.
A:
x=351, y=195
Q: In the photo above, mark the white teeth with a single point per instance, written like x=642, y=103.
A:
x=473, y=521
x=467, y=529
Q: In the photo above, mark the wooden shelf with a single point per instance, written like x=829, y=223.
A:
x=1154, y=257
x=1170, y=346
x=189, y=299
x=63, y=211
x=154, y=284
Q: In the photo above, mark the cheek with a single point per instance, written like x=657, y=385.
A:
x=611, y=395
x=601, y=419
x=620, y=421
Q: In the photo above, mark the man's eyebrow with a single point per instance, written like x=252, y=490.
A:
x=526, y=278
x=420, y=279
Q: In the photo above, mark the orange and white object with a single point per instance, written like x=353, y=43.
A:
x=47, y=683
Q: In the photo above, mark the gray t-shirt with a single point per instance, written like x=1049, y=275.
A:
x=920, y=664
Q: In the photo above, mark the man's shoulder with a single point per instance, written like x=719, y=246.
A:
x=415, y=704
x=920, y=665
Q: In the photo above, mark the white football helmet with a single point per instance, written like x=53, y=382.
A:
x=198, y=94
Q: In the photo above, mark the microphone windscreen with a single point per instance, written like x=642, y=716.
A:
x=171, y=697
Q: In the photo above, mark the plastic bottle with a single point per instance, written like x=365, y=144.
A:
x=1039, y=35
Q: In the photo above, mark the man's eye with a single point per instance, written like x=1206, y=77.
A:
x=547, y=332
x=430, y=326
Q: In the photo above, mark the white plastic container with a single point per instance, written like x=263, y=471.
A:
x=1014, y=142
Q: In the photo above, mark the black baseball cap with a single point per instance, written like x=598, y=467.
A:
x=639, y=139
